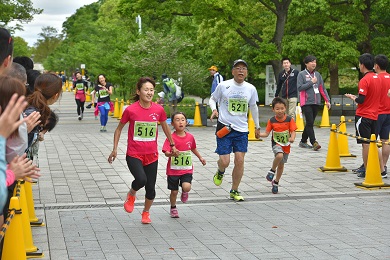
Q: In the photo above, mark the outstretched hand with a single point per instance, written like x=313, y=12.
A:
x=9, y=118
x=24, y=168
x=33, y=120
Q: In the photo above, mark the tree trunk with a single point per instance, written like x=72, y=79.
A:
x=277, y=67
x=334, y=78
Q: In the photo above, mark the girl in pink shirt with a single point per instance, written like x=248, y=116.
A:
x=180, y=168
x=142, y=154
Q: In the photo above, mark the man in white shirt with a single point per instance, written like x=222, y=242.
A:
x=235, y=97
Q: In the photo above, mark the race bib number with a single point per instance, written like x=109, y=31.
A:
x=103, y=93
x=282, y=138
x=145, y=131
x=80, y=86
x=238, y=106
x=182, y=162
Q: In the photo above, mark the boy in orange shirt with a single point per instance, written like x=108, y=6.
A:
x=283, y=134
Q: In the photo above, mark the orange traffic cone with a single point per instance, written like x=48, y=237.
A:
x=343, y=140
x=325, y=117
x=299, y=122
x=373, y=179
x=34, y=221
x=251, y=128
x=13, y=248
x=197, y=118
x=332, y=159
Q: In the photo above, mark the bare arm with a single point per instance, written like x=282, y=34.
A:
x=167, y=133
x=117, y=136
x=292, y=136
x=195, y=151
x=265, y=134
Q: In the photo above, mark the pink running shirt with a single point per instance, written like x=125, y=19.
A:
x=142, y=134
x=184, y=163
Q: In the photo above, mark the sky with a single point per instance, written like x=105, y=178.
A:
x=54, y=14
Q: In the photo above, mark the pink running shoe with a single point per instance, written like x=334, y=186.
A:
x=184, y=197
x=146, y=218
x=174, y=213
x=129, y=203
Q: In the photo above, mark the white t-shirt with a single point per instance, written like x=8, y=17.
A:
x=234, y=100
x=17, y=145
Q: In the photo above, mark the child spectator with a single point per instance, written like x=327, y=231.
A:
x=180, y=168
x=283, y=134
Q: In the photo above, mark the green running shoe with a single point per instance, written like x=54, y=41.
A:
x=235, y=195
x=218, y=178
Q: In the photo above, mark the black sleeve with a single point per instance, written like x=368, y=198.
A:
x=360, y=99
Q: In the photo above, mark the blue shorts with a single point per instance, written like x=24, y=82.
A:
x=383, y=126
x=234, y=141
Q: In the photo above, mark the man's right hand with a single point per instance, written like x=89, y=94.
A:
x=213, y=114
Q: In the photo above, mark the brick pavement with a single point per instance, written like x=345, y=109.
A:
x=315, y=215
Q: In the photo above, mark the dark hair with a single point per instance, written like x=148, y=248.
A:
x=278, y=100
x=177, y=113
x=46, y=87
x=51, y=122
x=367, y=60
x=97, y=79
x=309, y=58
x=32, y=75
x=382, y=61
x=6, y=44
x=77, y=72
x=285, y=58
x=9, y=86
x=140, y=83
x=26, y=62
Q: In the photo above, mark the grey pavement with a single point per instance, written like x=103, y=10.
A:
x=315, y=215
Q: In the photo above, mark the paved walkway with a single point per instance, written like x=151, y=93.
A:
x=316, y=215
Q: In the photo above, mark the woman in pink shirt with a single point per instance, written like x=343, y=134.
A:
x=142, y=154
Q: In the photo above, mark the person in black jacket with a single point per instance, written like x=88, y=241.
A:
x=287, y=86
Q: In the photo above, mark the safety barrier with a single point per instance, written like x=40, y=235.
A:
x=14, y=247
x=373, y=178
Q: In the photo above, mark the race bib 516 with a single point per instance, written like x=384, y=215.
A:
x=182, y=162
x=145, y=131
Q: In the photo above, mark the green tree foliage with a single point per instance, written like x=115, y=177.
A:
x=46, y=44
x=18, y=11
x=21, y=47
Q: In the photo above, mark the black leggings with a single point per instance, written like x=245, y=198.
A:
x=144, y=176
x=310, y=113
x=80, y=106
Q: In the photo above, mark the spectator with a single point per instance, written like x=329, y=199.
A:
x=170, y=93
x=287, y=86
x=366, y=114
x=311, y=87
